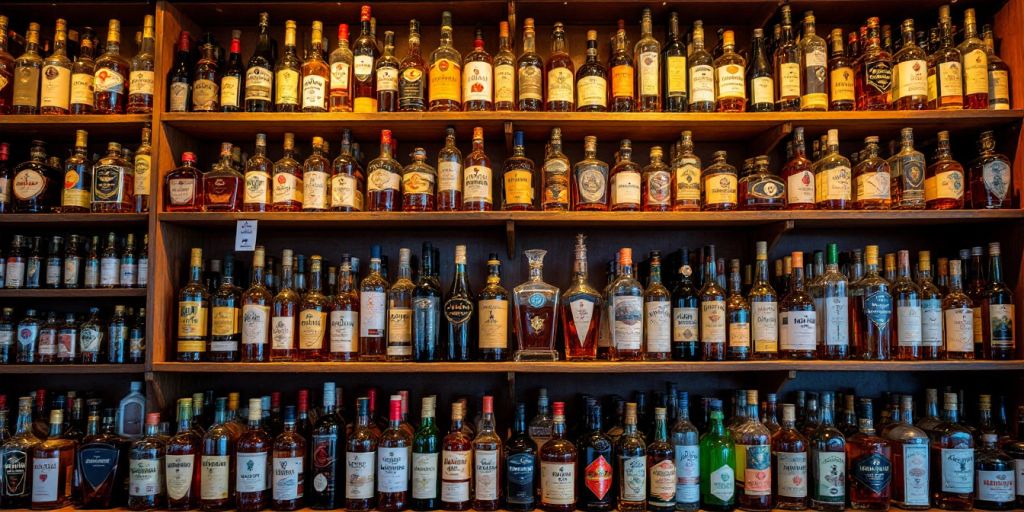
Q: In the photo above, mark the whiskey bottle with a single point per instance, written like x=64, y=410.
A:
x=287, y=179
x=730, y=86
x=631, y=453
x=998, y=74
x=445, y=91
x=841, y=75
x=255, y=314
x=392, y=469
x=181, y=468
x=53, y=464
x=6, y=69
x=110, y=87
x=717, y=463
x=558, y=457
x=997, y=311
x=36, y=184
x=646, y=55
x=958, y=317
x=387, y=69
x=326, y=445
x=456, y=464
x=674, y=55
x=761, y=189
x=179, y=78
x=477, y=177
x=253, y=462
x=910, y=73
x=592, y=80
x=945, y=74
x=974, y=63
x=222, y=186
x=343, y=335
x=870, y=464
x=814, y=68
x=713, y=334
x=656, y=184
x=995, y=476
x=952, y=460
x=909, y=459
x=193, y=305
x=183, y=186
x=626, y=180
x=797, y=316
x=487, y=450
x=907, y=174
x=931, y=309
x=289, y=465
x=478, y=77
x=231, y=80
x=789, y=463
x=874, y=72
x=626, y=312
x=908, y=321
x=493, y=303
x=27, y=73
x=426, y=310
x=872, y=179
x=145, y=468
x=827, y=464
x=990, y=176
x=284, y=312
x=206, y=79
x=315, y=73
x=76, y=197
x=316, y=177
x=944, y=181
x=450, y=175
x=702, y=73
x=555, y=180
x=595, y=491
x=55, y=86
x=16, y=457
x=340, y=95
x=720, y=182
x=590, y=189
x=737, y=312
x=399, y=312
x=530, y=74
x=347, y=179
x=799, y=176
x=759, y=76
x=225, y=332
x=871, y=311
x=560, y=74
x=657, y=314
x=833, y=177
x=419, y=181
x=312, y=318
x=581, y=306
x=218, y=445
x=764, y=310
x=518, y=192
x=787, y=66
x=753, y=459
x=142, y=172
x=373, y=308
x=286, y=74
x=504, y=72
x=686, y=182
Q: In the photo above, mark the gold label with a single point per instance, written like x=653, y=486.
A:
x=225, y=321
x=191, y=319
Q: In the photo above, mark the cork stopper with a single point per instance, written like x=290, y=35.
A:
x=949, y=401
x=289, y=141
x=460, y=254
x=478, y=133
x=762, y=251
x=871, y=255
x=81, y=139
x=625, y=256
x=259, y=256
x=788, y=412
x=751, y=396
x=630, y=417
x=833, y=137
x=457, y=411
x=924, y=260
x=428, y=405
x=659, y=413
x=286, y=257
x=197, y=257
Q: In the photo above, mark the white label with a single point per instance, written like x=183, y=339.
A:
x=343, y=192
x=340, y=72
x=931, y=323
x=830, y=466
x=178, y=470
x=109, y=270
x=504, y=83
x=363, y=66
x=959, y=327
x=995, y=486
x=108, y=80
x=908, y=318
x=255, y=324
x=627, y=322
x=684, y=324
x=82, y=92
x=485, y=474
x=214, y=479
x=477, y=184
x=393, y=469
x=797, y=330
x=792, y=474
x=560, y=85
x=56, y=87
x=658, y=321
x=315, y=190
x=789, y=80
x=359, y=475
x=45, y=474
x=912, y=79
x=1018, y=465
x=477, y=81
x=722, y=482
x=557, y=483
x=373, y=305
x=387, y=79
x=626, y=188
x=449, y=176
x=833, y=184
x=687, y=458
x=145, y=477
x=287, y=187
x=282, y=333
x=731, y=83
x=739, y=334
x=259, y=82
x=424, y=475
x=456, y=472
x=634, y=476
x=314, y=92
x=702, y=84
x=592, y=91
x=228, y=91
x=957, y=470
x=872, y=185
x=915, y=474
x=836, y=321
x=763, y=90
x=764, y=317
x=801, y=187
x=582, y=313
x=288, y=478
x=344, y=325
x=245, y=235
x=251, y=472
x=712, y=321
x=648, y=76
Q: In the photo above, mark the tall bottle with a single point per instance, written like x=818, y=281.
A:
x=759, y=76
x=365, y=54
x=712, y=312
x=974, y=63
x=595, y=491
x=581, y=306
x=412, y=75
x=871, y=311
x=952, y=459
x=764, y=309
x=82, y=99
x=910, y=72
x=826, y=475
x=286, y=74
x=787, y=64
x=631, y=464
x=55, y=86
x=360, y=461
x=142, y=80
x=53, y=463
x=625, y=304
x=841, y=75
x=592, y=80
x=702, y=73
x=789, y=463
x=487, y=450
x=253, y=462
x=315, y=73
x=110, y=85
x=493, y=303
x=685, y=314
x=560, y=74
x=997, y=311
x=530, y=74
x=426, y=452
x=504, y=72
x=27, y=75
x=814, y=68
x=259, y=75
x=7, y=68
x=289, y=467
x=730, y=86
x=457, y=464
x=387, y=70
x=445, y=72
x=393, y=452
x=16, y=457
x=478, y=77
x=217, y=488
x=753, y=459
x=909, y=459
x=373, y=311
x=558, y=457
x=284, y=314
x=717, y=463
x=646, y=55
x=193, y=307
x=459, y=311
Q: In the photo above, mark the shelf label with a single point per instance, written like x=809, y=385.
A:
x=245, y=235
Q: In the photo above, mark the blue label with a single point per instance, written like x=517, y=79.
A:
x=97, y=462
x=521, y=469
x=536, y=300
x=873, y=471
x=878, y=308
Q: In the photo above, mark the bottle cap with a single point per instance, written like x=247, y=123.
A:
x=788, y=412
x=488, y=404
x=395, y=408
x=152, y=418
x=625, y=256
x=343, y=32
x=460, y=254
x=993, y=249
x=762, y=251
x=796, y=260
x=255, y=409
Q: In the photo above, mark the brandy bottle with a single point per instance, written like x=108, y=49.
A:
x=869, y=457
x=581, y=306
x=558, y=467
x=53, y=466
x=535, y=304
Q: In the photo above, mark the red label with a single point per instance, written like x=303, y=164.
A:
x=599, y=477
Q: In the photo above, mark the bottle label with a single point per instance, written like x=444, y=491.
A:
x=228, y=91
x=915, y=474
x=191, y=319
x=323, y=462
x=362, y=67
x=873, y=471
x=815, y=94
x=456, y=472
x=996, y=175
x=387, y=79
x=556, y=182
x=766, y=188
x=878, y=75
x=45, y=477
x=287, y=91
x=282, y=333
x=382, y=180
x=873, y=185
x=108, y=272
x=836, y=320
x=312, y=326
x=999, y=90
x=55, y=87
x=1001, y=325
x=418, y=182
x=675, y=75
x=702, y=84
x=359, y=475
x=287, y=188
x=393, y=469
x=957, y=470
x=592, y=91
x=833, y=184
x=343, y=191
x=931, y=323
x=712, y=321
x=67, y=343
x=687, y=462
x=251, y=472
x=627, y=322
x=15, y=466
x=444, y=81
x=399, y=331
x=975, y=71
x=82, y=92
x=485, y=475
x=108, y=80
x=373, y=305
x=341, y=73
x=911, y=79
x=424, y=476
x=205, y=94
x=592, y=183
x=458, y=310
x=530, y=83
x=658, y=316
x=908, y=320
x=626, y=188
x=288, y=484
x=739, y=333
x=214, y=479
x=959, y=327
x=108, y=184
x=597, y=477
x=842, y=84
x=28, y=183
x=504, y=83
x=1019, y=469
x=143, y=165
x=878, y=308
x=688, y=181
x=315, y=190
x=426, y=318
x=145, y=477
x=789, y=80
x=560, y=85
x=996, y=486
x=449, y=176
x=762, y=90
x=757, y=478
x=477, y=184
x=659, y=188
x=797, y=331
x=663, y=481
x=792, y=474
x=225, y=321
x=977, y=329
x=765, y=319
x=720, y=189
x=950, y=79
x=493, y=323
x=831, y=482
x=518, y=186
x=92, y=338
x=731, y=83
x=255, y=324
x=179, y=470
x=648, y=80
x=557, y=483
x=314, y=92
x=259, y=82
x=478, y=82
x=141, y=82
x=722, y=483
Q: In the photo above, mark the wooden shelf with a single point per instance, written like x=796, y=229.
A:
x=62, y=128
x=588, y=367
x=73, y=293
x=76, y=220
x=72, y=369
x=594, y=219
x=575, y=125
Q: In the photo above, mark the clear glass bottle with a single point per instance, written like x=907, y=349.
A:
x=55, y=79
x=478, y=77
x=477, y=186
x=283, y=314
x=833, y=177
x=958, y=317
x=560, y=74
x=590, y=180
x=944, y=178
x=348, y=182
x=730, y=84
x=910, y=73
x=720, y=183
x=487, y=449
x=445, y=91
x=907, y=329
x=450, y=174
x=872, y=178
x=535, y=311
x=384, y=178
x=764, y=309
x=952, y=459
x=625, y=305
x=657, y=314
x=787, y=65
x=555, y=176
x=974, y=63
x=713, y=324
x=945, y=74
x=646, y=55
x=504, y=72
x=493, y=303
x=814, y=68
x=990, y=176
x=907, y=174
x=686, y=182
x=530, y=74
x=373, y=311
x=581, y=306
x=387, y=69
x=340, y=62
x=222, y=186
x=702, y=73
x=871, y=311
x=27, y=75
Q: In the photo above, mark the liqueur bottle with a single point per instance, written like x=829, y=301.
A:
x=459, y=311
x=387, y=69
x=384, y=178
x=456, y=464
x=789, y=463
x=730, y=87
x=530, y=74
x=373, y=308
x=53, y=466
x=974, y=63
x=686, y=176
x=874, y=72
x=445, y=91
x=952, y=460
x=493, y=303
x=592, y=80
x=826, y=476
x=759, y=76
x=702, y=73
x=504, y=72
x=426, y=460
x=560, y=74
x=841, y=75
x=284, y=314
x=289, y=464
x=590, y=180
x=870, y=464
x=595, y=491
x=340, y=61
x=253, y=462
x=871, y=311
x=478, y=77
x=717, y=463
x=487, y=450
x=419, y=181
x=286, y=84
x=990, y=176
x=426, y=310
x=909, y=459
x=555, y=177
x=393, y=452
x=477, y=190
x=230, y=80
x=343, y=335
x=517, y=191
x=255, y=314
x=360, y=461
x=558, y=457
x=205, y=79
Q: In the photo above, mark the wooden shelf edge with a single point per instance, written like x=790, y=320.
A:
x=73, y=120
x=73, y=218
x=73, y=293
x=72, y=369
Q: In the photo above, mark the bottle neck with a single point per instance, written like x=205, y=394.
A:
x=286, y=277
x=797, y=279
x=827, y=415
x=995, y=269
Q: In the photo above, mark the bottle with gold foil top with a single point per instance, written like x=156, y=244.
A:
x=56, y=78
x=730, y=83
x=944, y=178
x=560, y=73
x=686, y=176
x=530, y=75
x=720, y=184
x=998, y=74
x=833, y=188
x=910, y=73
x=646, y=55
x=493, y=309
x=110, y=87
x=504, y=72
x=225, y=324
x=419, y=182
x=286, y=73
x=82, y=95
x=840, y=69
x=316, y=177
x=445, y=92
x=813, y=60
x=590, y=179
x=143, y=164
x=945, y=74
x=141, y=79
x=78, y=168
x=622, y=71
x=974, y=62
x=113, y=183
x=6, y=69
x=315, y=73
x=312, y=321
x=555, y=176
x=518, y=178
x=287, y=179
x=193, y=307
x=27, y=74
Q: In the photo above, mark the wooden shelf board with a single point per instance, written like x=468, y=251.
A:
x=72, y=293
x=586, y=367
x=62, y=128
x=72, y=369
x=76, y=219
x=575, y=125
x=593, y=219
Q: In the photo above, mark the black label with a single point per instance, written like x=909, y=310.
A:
x=97, y=462
x=109, y=183
x=873, y=471
x=15, y=468
x=458, y=310
x=521, y=470
x=768, y=188
x=879, y=75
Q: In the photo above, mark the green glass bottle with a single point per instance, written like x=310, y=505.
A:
x=426, y=455
x=717, y=464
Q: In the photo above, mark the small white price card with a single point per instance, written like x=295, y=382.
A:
x=245, y=236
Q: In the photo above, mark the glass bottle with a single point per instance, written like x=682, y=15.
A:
x=312, y=318
x=730, y=86
x=426, y=460
x=287, y=179
x=944, y=182
x=205, y=79
x=789, y=463
x=799, y=175
x=827, y=464
x=626, y=312
x=931, y=309
x=387, y=69
x=343, y=334
x=841, y=75
x=373, y=308
x=459, y=311
x=631, y=463
x=870, y=464
x=787, y=66
x=231, y=79
x=764, y=310
x=16, y=454
x=558, y=457
x=478, y=77
x=181, y=467
x=997, y=311
x=366, y=53
x=910, y=73
x=384, y=177
x=314, y=73
x=625, y=180
x=179, y=78
x=477, y=177
x=257, y=190
x=874, y=73
x=286, y=74
x=259, y=77
x=581, y=305
x=517, y=178
x=225, y=330
x=753, y=459
x=998, y=74
x=426, y=310
x=347, y=179
x=797, y=317
x=255, y=314
x=193, y=307
x=952, y=460
x=316, y=177
x=646, y=55
x=909, y=459
x=450, y=174
x=974, y=62
x=657, y=314
x=686, y=176
x=326, y=445
x=487, y=450
x=27, y=74
x=53, y=463
x=590, y=176
x=592, y=80
x=110, y=86
x=759, y=76
x=656, y=184
x=283, y=314
x=945, y=74
x=720, y=182
x=872, y=179
x=393, y=450
x=493, y=317
x=222, y=186
x=457, y=467
x=907, y=174
x=253, y=462
x=717, y=463
x=990, y=176
x=737, y=317
x=218, y=448
x=555, y=176
x=814, y=68
x=871, y=311
x=530, y=74
x=289, y=465
x=702, y=73
x=958, y=317
x=7, y=68
x=560, y=74
x=504, y=72
x=832, y=177
x=340, y=62
x=35, y=184
x=418, y=183
x=712, y=312
x=445, y=91
x=908, y=320
x=536, y=312
x=674, y=79
x=761, y=189
x=55, y=78
x=77, y=194
x=995, y=476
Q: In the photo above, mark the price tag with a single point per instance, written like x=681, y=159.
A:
x=245, y=236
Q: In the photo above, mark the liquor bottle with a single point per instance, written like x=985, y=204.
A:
x=995, y=476
x=16, y=457
x=555, y=176
x=316, y=177
x=193, y=305
x=530, y=74
x=284, y=313
x=222, y=186
x=142, y=176
x=909, y=459
x=907, y=305
x=255, y=314
x=445, y=72
x=872, y=179
x=146, y=468
x=814, y=68
x=360, y=461
x=625, y=180
x=426, y=310
x=975, y=289
x=590, y=190
x=560, y=74
x=55, y=78
x=27, y=71
x=225, y=319
x=418, y=183
x=907, y=174
x=259, y=79
x=253, y=462
x=592, y=80
x=387, y=69
x=931, y=309
x=46, y=349
x=493, y=303
x=737, y=313
x=425, y=460
x=998, y=74
x=286, y=82
x=394, y=448
x=910, y=73
x=258, y=189
x=558, y=457
x=373, y=305
x=944, y=182
x=789, y=463
x=656, y=184
x=504, y=72
x=646, y=55
x=315, y=73
x=720, y=182
x=113, y=185
x=841, y=75
x=477, y=177
x=702, y=73
x=517, y=191
x=535, y=304
x=327, y=440
x=287, y=176
x=974, y=63
x=874, y=73
x=486, y=457
x=626, y=312
x=787, y=65
x=990, y=176
x=595, y=491
x=180, y=467
x=759, y=76
x=110, y=87
x=764, y=310
x=581, y=306
x=717, y=463
x=344, y=316
x=347, y=179
x=871, y=311
x=340, y=62
x=312, y=318
x=206, y=79
x=459, y=311
x=798, y=317
x=753, y=459
x=997, y=311
x=657, y=314
x=799, y=176
x=78, y=168
x=53, y=463
x=761, y=189
x=217, y=487
x=399, y=311
x=952, y=460
x=456, y=464
x=673, y=56
x=35, y=184
x=686, y=181
x=179, y=78
x=958, y=317
x=827, y=464
x=6, y=69
x=713, y=334
x=232, y=77
x=870, y=464
x=289, y=465
x=730, y=86
x=833, y=177
x=631, y=455
x=945, y=74
x=478, y=77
